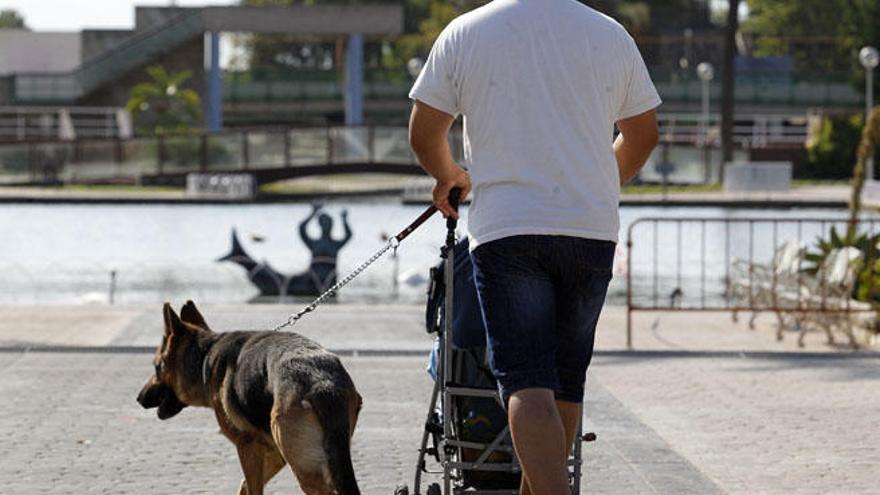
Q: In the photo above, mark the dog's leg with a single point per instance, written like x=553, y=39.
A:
x=251, y=456
x=272, y=463
x=300, y=439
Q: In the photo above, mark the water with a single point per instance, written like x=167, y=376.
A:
x=63, y=254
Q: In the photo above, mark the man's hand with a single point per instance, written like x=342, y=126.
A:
x=462, y=180
x=428, y=136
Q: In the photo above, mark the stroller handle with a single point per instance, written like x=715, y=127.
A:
x=454, y=201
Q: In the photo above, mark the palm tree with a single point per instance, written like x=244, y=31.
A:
x=162, y=105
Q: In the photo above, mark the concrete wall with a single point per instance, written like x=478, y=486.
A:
x=97, y=41
x=27, y=51
x=148, y=17
x=374, y=19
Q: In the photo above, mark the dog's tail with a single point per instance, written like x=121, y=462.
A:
x=331, y=407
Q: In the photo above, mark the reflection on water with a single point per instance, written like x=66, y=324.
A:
x=64, y=254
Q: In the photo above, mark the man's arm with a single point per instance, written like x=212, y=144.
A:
x=638, y=137
x=428, y=136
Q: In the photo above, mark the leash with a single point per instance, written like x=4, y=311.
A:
x=393, y=243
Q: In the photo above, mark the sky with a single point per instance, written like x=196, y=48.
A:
x=74, y=15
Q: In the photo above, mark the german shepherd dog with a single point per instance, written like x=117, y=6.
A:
x=279, y=397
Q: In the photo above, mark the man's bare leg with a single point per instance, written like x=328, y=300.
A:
x=570, y=413
x=539, y=438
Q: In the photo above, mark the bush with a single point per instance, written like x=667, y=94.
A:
x=831, y=152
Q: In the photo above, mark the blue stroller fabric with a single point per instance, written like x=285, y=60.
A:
x=468, y=330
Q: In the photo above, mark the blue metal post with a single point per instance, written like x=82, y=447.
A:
x=354, y=80
x=215, y=86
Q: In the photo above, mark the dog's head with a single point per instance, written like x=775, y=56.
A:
x=167, y=389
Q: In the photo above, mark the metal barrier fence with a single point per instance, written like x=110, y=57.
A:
x=743, y=265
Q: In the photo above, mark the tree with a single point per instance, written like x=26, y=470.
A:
x=11, y=19
x=786, y=27
x=284, y=52
x=163, y=105
x=728, y=82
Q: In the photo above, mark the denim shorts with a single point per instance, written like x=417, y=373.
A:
x=541, y=297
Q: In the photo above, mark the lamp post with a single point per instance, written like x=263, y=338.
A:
x=414, y=66
x=869, y=58
x=706, y=73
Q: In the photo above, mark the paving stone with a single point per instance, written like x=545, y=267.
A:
x=70, y=424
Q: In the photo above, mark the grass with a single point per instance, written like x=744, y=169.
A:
x=672, y=188
x=117, y=188
x=337, y=183
x=361, y=182
x=820, y=182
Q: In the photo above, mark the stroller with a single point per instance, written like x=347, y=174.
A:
x=466, y=431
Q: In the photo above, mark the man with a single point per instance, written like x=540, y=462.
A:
x=541, y=85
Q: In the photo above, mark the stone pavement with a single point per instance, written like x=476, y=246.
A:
x=71, y=425
x=378, y=327
x=751, y=416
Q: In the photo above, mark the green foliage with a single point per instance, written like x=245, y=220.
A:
x=781, y=23
x=163, y=105
x=831, y=152
x=423, y=22
x=867, y=286
x=636, y=16
x=865, y=243
x=11, y=19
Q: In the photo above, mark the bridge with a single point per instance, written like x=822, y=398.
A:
x=273, y=154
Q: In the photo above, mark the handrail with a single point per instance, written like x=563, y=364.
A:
x=138, y=36
x=87, y=76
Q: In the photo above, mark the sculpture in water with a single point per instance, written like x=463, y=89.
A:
x=321, y=273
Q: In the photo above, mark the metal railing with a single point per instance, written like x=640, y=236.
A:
x=20, y=123
x=738, y=265
x=128, y=160
x=750, y=131
x=834, y=91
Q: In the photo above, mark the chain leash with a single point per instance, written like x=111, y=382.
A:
x=393, y=243
x=293, y=318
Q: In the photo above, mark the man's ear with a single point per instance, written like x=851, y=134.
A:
x=191, y=315
x=173, y=325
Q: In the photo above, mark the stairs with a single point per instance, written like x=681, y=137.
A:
x=134, y=52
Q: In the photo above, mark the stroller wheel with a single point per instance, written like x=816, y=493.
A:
x=401, y=490
x=433, y=489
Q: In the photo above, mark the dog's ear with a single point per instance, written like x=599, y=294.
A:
x=191, y=315
x=173, y=325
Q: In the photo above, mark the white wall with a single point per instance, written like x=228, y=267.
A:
x=26, y=51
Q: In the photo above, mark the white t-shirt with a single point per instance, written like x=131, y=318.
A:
x=540, y=84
